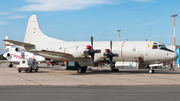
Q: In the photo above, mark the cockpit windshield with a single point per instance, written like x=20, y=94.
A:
x=162, y=47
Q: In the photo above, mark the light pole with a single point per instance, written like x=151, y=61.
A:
x=174, y=28
x=118, y=35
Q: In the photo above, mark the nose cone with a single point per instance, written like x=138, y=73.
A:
x=170, y=56
x=4, y=55
x=177, y=56
x=174, y=56
x=40, y=59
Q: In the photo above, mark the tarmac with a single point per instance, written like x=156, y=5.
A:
x=59, y=76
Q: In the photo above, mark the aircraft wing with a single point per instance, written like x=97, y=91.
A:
x=19, y=43
x=2, y=48
x=10, y=61
x=54, y=53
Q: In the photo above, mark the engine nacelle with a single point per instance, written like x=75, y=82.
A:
x=16, y=49
x=6, y=55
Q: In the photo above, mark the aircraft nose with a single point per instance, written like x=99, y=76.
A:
x=5, y=55
x=175, y=56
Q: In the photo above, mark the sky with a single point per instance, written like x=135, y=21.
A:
x=78, y=20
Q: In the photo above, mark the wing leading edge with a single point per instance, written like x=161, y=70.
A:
x=19, y=43
x=53, y=53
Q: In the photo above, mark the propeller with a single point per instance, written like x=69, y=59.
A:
x=109, y=54
x=22, y=55
x=91, y=51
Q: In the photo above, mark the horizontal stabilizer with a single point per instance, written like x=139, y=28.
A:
x=19, y=43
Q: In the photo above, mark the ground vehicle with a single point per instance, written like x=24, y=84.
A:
x=27, y=65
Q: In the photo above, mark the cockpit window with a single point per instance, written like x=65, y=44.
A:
x=155, y=43
x=155, y=47
x=162, y=47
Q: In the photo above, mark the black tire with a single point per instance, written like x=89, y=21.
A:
x=11, y=65
x=79, y=70
x=36, y=70
x=113, y=69
x=30, y=69
x=151, y=71
x=82, y=69
x=19, y=71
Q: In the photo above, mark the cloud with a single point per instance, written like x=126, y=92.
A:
x=150, y=23
x=156, y=35
x=2, y=22
x=16, y=16
x=143, y=1
x=56, y=5
x=4, y=13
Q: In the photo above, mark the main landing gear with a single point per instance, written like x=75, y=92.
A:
x=82, y=69
x=10, y=65
x=113, y=68
x=151, y=70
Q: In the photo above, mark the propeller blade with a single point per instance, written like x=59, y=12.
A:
x=110, y=46
x=111, y=61
x=92, y=59
x=22, y=55
x=92, y=42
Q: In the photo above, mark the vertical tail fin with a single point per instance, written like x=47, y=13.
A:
x=7, y=44
x=34, y=33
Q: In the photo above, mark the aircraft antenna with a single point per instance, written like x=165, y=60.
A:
x=118, y=35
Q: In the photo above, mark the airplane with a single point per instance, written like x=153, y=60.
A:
x=14, y=55
x=89, y=53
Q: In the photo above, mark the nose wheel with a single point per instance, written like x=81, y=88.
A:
x=151, y=71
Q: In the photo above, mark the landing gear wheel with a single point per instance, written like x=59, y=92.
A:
x=10, y=65
x=79, y=69
x=19, y=71
x=36, y=69
x=113, y=69
x=30, y=69
x=82, y=69
x=151, y=71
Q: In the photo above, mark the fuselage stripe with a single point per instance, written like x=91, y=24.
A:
x=122, y=54
x=149, y=44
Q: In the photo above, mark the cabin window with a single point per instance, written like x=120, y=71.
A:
x=155, y=47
